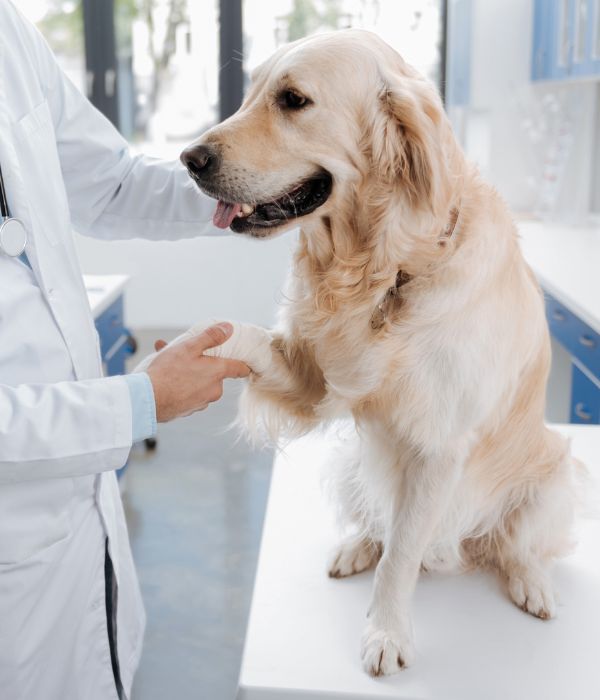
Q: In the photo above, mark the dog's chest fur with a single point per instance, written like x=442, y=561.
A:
x=355, y=358
x=414, y=369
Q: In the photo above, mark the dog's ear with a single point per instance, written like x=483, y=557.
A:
x=407, y=141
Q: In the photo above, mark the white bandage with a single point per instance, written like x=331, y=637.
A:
x=249, y=344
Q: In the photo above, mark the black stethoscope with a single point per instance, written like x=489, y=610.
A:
x=13, y=234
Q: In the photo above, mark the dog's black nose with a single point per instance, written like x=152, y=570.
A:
x=200, y=160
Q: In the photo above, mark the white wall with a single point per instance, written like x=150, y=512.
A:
x=176, y=284
x=511, y=127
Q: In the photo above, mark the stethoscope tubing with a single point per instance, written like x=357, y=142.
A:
x=13, y=234
x=4, y=210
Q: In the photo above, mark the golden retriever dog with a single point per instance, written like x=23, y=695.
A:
x=410, y=308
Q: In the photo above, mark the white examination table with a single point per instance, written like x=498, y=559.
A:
x=303, y=640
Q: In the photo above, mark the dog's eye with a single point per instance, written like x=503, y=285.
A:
x=292, y=100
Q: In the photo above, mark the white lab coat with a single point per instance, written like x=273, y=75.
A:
x=63, y=429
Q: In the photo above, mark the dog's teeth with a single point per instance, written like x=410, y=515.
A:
x=247, y=209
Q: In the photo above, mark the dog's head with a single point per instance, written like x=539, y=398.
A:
x=323, y=116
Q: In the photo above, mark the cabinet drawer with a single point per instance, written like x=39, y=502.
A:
x=585, y=398
x=110, y=326
x=565, y=39
x=578, y=338
x=114, y=361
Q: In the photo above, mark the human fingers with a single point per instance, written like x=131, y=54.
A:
x=210, y=338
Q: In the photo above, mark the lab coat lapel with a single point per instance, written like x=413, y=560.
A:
x=11, y=170
x=54, y=266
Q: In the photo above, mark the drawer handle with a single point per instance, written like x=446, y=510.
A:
x=587, y=342
x=580, y=412
x=558, y=315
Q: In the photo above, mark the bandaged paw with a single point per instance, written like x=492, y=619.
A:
x=249, y=344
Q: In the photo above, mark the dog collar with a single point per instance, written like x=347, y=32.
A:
x=392, y=297
x=451, y=226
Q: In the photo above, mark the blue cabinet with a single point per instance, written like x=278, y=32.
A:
x=585, y=397
x=116, y=342
x=566, y=39
x=583, y=344
x=577, y=337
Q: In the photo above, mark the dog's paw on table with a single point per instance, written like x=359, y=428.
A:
x=353, y=556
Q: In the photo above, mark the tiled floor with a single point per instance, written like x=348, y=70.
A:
x=195, y=510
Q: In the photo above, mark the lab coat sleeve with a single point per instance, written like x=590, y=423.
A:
x=64, y=429
x=112, y=194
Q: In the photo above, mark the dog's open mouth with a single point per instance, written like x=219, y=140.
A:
x=300, y=201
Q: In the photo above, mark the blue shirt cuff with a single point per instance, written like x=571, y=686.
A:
x=143, y=406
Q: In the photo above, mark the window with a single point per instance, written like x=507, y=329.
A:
x=153, y=66
x=163, y=72
x=61, y=23
x=170, y=51
x=564, y=43
x=581, y=20
x=412, y=27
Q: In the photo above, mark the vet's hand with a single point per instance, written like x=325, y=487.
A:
x=184, y=380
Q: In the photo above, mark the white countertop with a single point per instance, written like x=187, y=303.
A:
x=566, y=261
x=102, y=290
x=304, y=632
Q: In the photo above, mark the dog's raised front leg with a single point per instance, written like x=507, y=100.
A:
x=247, y=343
x=283, y=399
x=286, y=384
x=427, y=485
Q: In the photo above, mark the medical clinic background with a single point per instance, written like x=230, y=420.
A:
x=163, y=71
x=166, y=84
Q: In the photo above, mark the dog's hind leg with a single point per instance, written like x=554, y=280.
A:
x=354, y=555
x=530, y=587
x=533, y=535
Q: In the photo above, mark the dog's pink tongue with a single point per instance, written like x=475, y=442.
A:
x=225, y=213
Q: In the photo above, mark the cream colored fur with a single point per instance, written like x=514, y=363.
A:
x=451, y=465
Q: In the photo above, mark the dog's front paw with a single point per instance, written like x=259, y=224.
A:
x=384, y=652
x=353, y=556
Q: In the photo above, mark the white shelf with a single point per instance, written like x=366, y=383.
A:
x=102, y=290
x=566, y=261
